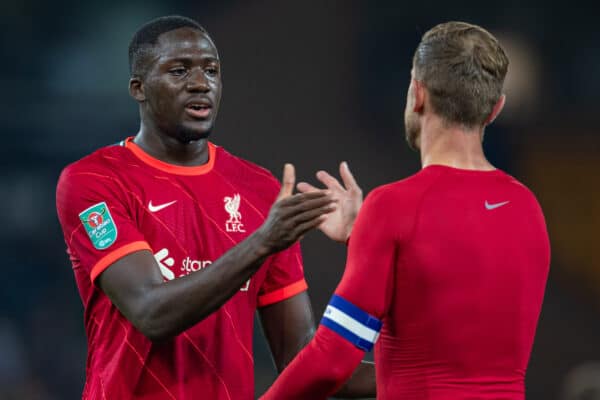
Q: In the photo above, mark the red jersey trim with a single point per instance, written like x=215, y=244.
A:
x=170, y=168
x=283, y=293
x=113, y=256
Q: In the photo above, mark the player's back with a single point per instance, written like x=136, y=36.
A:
x=470, y=273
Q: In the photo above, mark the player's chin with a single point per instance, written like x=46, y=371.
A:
x=194, y=131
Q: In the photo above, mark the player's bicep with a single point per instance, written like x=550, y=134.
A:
x=97, y=221
x=368, y=278
x=129, y=281
x=362, y=298
x=352, y=323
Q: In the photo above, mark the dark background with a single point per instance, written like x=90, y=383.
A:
x=313, y=83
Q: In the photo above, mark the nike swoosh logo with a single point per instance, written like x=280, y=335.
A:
x=154, y=208
x=489, y=206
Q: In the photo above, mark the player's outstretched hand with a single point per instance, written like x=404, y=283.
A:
x=338, y=225
x=293, y=215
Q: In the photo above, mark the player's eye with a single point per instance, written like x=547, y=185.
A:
x=212, y=71
x=177, y=71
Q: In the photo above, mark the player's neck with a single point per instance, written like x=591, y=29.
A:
x=452, y=146
x=170, y=150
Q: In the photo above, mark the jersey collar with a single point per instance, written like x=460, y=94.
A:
x=171, y=168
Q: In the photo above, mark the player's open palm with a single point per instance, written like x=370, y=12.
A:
x=293, y=215
x=338, y=224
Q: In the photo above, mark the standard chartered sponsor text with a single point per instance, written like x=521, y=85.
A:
x=188, y=265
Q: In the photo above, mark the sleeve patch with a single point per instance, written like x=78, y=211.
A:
x=353, y=324
x=99, y=225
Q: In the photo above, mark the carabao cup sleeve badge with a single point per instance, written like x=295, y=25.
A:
x=99, y=225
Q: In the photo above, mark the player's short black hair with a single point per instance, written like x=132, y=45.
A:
x=147, y=36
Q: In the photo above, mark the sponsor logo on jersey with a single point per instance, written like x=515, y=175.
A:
x=164, y=263
x=490, y=206
x=188, y=265
x=232, y=206
x=99, y=225
x=159, y=207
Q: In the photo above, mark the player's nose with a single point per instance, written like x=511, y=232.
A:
x=197, y=82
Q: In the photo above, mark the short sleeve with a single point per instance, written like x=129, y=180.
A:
x=368, y=278
x=96, y=221
x=285, y=277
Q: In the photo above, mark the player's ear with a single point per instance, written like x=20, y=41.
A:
x=419, y=93
x=496, y=110
x=136, y=88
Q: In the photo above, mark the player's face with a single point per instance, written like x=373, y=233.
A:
x=183, y=85
x=412, y=124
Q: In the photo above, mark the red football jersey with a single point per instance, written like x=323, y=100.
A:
x=454, y=263
x=119, y=200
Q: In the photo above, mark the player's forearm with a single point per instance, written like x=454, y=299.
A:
x=318, y=370
x=174, y=306
x=161, y=310
x=361, y=384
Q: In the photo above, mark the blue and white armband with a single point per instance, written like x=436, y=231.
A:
x=350, y=322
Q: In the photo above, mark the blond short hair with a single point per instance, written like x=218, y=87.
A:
x=463, y=68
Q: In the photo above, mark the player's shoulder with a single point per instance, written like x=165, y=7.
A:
x=95, y=175
x=512, y=181
x=105, y=161
x=517, y=187
x=403, y=190
x=245, y=169
x=103, y=158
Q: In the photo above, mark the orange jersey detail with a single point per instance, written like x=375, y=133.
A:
x=170, y=168
x=283, y=293
x=114, y=255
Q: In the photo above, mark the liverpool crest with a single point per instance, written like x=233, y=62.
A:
x=232, y=206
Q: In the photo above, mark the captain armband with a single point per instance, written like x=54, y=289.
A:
x=350, y=322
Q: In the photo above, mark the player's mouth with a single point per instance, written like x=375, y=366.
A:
x=198, y=109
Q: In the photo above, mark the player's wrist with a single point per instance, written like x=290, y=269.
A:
x=342, y=239
x=347, y=234
x=349, y=224
x=260, y=244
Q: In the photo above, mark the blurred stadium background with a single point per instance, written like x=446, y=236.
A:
x=313, y=83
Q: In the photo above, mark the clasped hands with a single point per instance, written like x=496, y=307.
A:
x=332, y=209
